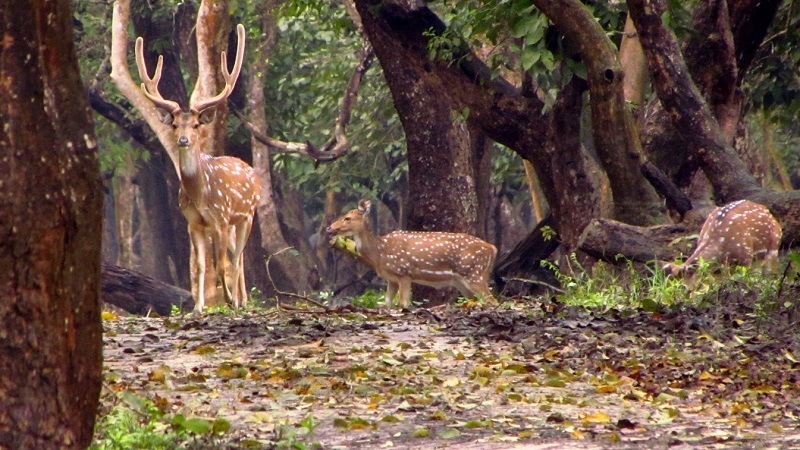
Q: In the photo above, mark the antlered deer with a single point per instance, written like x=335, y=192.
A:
x=218, y=195
x=735, y=234
x=431, y=258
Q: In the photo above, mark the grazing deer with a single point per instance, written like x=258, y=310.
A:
x=431, y=258
x=735, y=234
x=218, y=195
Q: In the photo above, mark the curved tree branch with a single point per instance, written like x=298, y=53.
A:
x=693, y=120
x=683, y=101
x=338, y=145
x=121, y=77
x=614, y=131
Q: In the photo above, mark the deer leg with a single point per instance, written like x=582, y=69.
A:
x=464, y=287
x=243, y=295
x=405, y=292
x=770, y=262
x=391, y=293
x=241, y=231
x=198, y=240
x=221, y=258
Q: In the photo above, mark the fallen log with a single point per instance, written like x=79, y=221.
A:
x=140, y=294
x=607, y=239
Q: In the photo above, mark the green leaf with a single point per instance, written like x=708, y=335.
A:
x=529, y=57
x=449, y=433
x=197, y=426
x=523, y=26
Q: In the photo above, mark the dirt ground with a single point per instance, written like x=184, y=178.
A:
x=535, y=375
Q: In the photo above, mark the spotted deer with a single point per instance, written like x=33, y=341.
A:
x=218, y=194
x=435, y=259
x=735, y=234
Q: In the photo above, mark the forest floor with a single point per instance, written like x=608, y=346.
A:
x=533, y=374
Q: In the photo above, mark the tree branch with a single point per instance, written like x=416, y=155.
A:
x=121, y=77
x=338, y=145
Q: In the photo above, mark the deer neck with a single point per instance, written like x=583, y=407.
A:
x=194, y=174
x=369, y=246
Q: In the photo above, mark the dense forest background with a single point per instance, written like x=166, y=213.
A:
x=300, y=60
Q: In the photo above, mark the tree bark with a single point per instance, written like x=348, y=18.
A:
x=634, y=66
x=50, y=223
x=718, y=54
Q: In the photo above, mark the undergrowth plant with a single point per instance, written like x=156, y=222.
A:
x=298, y=437
x=135, y=422
x=650, y=288
x=369, y=299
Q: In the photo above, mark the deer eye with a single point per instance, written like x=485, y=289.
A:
x=347, y=219
x=196, y=126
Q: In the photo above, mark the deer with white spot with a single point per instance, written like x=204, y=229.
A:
x=735, y=234
x=218, y=194
x=434, y=259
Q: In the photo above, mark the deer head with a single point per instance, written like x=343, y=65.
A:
x=185, y=124
x=351, y=224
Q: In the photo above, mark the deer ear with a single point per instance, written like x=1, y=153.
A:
x=207, y=115
x=363, y=206
x=165, y=116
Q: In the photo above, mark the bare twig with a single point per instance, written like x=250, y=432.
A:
x=324, y=309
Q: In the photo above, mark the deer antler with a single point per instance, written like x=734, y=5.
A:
x=150, y=85
x=230, y=77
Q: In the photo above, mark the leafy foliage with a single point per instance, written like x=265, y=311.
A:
x=313, y=60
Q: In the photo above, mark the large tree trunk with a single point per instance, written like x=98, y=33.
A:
x=718, y=53
x=50, y=220
x=164, y=247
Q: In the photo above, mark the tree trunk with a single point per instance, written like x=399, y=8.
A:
x=125, y=201
x=718, y=54
x=50, y=220
x=163, y=244
x=631, y=58
x=693, y=120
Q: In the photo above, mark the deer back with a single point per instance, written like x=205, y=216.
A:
x=436, y=254
x=737, y=232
